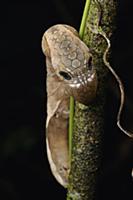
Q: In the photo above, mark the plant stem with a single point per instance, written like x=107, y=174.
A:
x=88, y=122
x=71, y=116
x=84, y=17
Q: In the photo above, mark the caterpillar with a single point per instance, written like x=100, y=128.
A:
x=70, y=72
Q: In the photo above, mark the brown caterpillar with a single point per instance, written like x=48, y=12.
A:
x=70, y=72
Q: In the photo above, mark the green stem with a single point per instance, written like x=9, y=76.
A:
x=84, y=17
x=71, y=116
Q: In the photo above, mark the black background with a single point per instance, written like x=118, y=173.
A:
x=24, y=169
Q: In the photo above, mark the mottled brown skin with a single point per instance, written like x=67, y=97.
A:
x=70, y=72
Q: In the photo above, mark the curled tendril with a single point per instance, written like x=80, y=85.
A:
x=121, y=87
x=96, y=29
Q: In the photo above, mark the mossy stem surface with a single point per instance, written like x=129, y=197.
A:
x=88, y=122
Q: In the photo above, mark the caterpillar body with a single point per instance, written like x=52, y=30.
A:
x=70, y=72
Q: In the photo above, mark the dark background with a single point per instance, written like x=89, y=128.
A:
x=24, y=169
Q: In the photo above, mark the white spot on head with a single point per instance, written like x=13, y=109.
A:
x=78, y=85
x=90, y=78
x=85, y=61
x=75, y=85
x=80, y=79
x=85, y=80
x=75, y=81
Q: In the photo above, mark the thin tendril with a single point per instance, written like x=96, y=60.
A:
x=121, y=87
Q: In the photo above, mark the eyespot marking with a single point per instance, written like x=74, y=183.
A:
x=65, y=75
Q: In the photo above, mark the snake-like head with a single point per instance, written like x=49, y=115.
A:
x=72, y=62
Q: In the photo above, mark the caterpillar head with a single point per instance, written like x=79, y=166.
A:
x=72, y=62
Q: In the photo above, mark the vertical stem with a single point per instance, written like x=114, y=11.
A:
x=71, y=116
x=88, y=125
x=84, y=17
